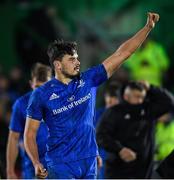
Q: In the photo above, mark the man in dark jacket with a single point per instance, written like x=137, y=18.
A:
x=126, y=130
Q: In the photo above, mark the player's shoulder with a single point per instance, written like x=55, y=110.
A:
x=47, y=85
x=43, y=90
x=26, y=96
x=93, y=71
x=23, y=99
x=44, y=87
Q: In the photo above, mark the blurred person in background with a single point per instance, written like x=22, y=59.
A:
x=126, y=130
x=4, y=85
x=3, y=137
x=111, y=99
x=164, y=137
x=39, y=74
x=17, y=85
x=152, y=62
x=4, y=108
x=67, y=105
x=119, y=77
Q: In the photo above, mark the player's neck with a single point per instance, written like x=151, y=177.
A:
x=63, y=79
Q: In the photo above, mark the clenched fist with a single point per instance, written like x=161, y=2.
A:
x=127, y=155
x=152, y=19
x=40, y=171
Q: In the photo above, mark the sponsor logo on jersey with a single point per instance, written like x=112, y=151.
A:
x=54, y=96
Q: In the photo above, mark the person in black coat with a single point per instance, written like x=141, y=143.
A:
x=126, y=131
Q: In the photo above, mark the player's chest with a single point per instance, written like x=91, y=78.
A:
x=66, y=101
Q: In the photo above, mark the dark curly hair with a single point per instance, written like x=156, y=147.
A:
x=57, y=49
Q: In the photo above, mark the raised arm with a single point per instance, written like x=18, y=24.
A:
x=30, y=133
x=128, y=48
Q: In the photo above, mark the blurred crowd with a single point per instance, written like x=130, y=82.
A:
x=12, y=86
x=150, y=63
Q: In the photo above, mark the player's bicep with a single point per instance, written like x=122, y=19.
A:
x=113, y=62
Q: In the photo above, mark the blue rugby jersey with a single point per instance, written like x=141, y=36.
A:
x=17, y=124
x=68, y=111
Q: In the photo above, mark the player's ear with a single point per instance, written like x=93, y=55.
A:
x=57, y=65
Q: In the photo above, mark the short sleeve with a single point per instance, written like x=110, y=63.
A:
x=17, y=121
x=96, y=75
x=34, y=109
